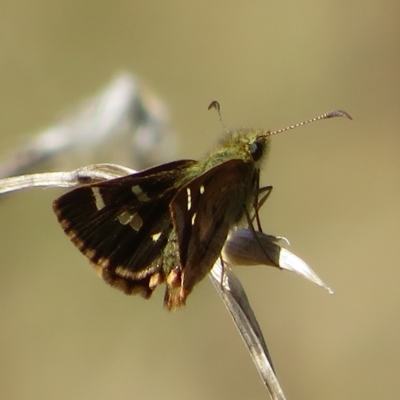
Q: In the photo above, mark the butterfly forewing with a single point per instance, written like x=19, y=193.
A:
x=124, y=224
x=204, y=211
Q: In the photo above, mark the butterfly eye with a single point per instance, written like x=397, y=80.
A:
x=257, y=149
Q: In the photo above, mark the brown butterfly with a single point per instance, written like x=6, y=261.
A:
x=168, y=223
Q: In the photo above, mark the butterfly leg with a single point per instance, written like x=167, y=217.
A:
x=260, y=199
x=253, y=231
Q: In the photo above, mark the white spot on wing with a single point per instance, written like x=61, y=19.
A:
x=156, y=236
x=189, y=198
x=134, y=220
x=202, y=189
x=194, y=218
x=98, y=198
x=138, y=192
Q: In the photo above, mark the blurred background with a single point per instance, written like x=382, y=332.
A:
x=64, y=334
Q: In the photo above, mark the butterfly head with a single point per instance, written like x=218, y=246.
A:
x=248, y=145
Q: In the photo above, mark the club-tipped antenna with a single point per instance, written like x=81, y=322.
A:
x=330, y=114
x=215, y=104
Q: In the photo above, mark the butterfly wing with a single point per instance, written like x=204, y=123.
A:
x=123, y=225
x=204, y=210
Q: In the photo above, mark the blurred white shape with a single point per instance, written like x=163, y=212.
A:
x=125, y=123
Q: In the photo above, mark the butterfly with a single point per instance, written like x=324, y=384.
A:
x=168, y=224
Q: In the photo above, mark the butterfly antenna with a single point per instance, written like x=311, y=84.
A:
x=331, y=114
x=214, y=104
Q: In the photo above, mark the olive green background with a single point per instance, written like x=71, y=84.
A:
x=65, y=335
